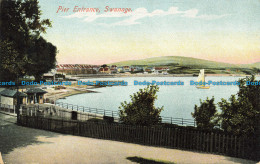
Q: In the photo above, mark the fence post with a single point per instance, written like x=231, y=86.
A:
x=14, y=108
x=182, y=121
x=171, y=120
x=83, y=109
x=257, y=135
x=211, y=142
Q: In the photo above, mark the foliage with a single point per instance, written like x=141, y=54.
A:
x=43, y=58
x=104, y=66
x=206, y=114
x=240, y=114
x=9, y=65
x=20, y=28
x=141, y=109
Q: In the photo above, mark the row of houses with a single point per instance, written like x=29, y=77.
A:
x=77, y=68
x=134, y=69
x=104, y=69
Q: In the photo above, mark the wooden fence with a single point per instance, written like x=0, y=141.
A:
x=179, y=137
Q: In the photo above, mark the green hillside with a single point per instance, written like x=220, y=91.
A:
x=179, y=64
x=254, y=65
x=173, y=60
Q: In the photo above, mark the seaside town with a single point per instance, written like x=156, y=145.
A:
x=105, y=69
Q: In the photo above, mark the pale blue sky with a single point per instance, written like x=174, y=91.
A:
x=195, y=28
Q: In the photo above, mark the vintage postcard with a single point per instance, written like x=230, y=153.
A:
x=129, y=81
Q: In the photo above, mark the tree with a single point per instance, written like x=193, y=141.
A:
x=141, y=109
x=206, y=114
x=20, y=28
x=104, y=66
x=8, y=61
x=43, y=58
x=240, y=115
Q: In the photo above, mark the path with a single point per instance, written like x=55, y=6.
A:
x=25, y=145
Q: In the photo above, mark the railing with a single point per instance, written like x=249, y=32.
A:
x=114, y=114
x=7, y=108
x=103, y=112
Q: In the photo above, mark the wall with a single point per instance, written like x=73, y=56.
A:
x=7, y=100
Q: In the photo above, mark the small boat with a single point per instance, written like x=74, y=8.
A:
x=201, y=78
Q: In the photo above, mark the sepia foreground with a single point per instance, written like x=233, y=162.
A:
x=25, y=145
x=71, y=149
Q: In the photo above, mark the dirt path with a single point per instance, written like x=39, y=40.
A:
x=26, y=145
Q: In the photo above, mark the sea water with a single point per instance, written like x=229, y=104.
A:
x=178, y=100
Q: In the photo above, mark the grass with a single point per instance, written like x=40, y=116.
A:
x=182, y=61
x=142, y=160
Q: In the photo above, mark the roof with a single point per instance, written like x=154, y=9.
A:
x=35, y=90
x=1, y=89
x=11, y=93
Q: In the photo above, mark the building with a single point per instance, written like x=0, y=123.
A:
x=120, y=70
x=9, y=97
x=113, y=69
x=35, y=95
x=161, y=70
x=105, y=70
x=149, y=69
x=126, y=69
x=137, y=69
x=77, y=68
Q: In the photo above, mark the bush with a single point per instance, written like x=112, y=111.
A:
x=141, y=109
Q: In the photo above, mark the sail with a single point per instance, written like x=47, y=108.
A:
x=201, y=76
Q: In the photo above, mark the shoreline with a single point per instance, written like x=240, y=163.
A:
x=150, y=75
x=54, y=95
x=74, y=89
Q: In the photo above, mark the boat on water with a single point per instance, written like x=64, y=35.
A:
x=201, y=79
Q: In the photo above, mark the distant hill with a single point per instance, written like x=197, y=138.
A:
x=184, y=62
x=254, y=65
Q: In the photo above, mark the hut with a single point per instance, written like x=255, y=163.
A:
x=9, y=97
x=35, y=96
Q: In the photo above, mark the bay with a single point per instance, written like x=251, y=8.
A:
x=178, y=101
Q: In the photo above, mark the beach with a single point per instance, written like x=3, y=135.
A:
x=54, y=95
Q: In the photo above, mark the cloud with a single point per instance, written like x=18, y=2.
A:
x=132, y=18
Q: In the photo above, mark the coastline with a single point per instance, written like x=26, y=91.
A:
x=75, y=89
x=148, y=75
x=54, y=95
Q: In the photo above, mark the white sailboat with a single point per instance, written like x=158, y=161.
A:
x=201, y=78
